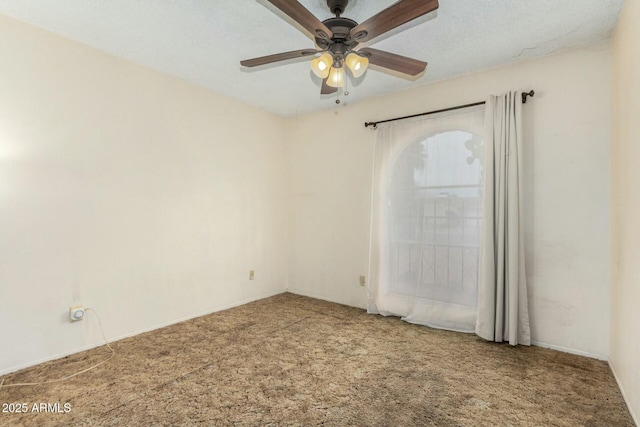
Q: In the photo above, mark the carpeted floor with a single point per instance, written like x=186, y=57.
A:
x=292, y=360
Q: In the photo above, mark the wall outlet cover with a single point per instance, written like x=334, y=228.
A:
x=76, y=313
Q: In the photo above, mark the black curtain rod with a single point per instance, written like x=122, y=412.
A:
x=459, y=107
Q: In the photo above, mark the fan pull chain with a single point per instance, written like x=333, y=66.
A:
x=346, y=90
x=346, y=84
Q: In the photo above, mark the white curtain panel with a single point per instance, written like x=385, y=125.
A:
x=503, y=313
x=425, y=225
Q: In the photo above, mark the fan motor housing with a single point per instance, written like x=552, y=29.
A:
x=340, y=27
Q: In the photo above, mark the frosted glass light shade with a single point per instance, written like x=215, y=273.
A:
x=357, y=64
x=336, y=77
x=321, y=65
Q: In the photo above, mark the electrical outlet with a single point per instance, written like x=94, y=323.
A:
x=251, y=275
x=363, y=280
x=76, y=312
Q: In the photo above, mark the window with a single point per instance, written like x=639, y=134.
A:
x=434, y=218
x=425, y=219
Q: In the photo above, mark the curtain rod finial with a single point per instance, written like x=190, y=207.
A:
x=526, y=94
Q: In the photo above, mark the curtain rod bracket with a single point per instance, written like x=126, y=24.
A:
x=525, y=94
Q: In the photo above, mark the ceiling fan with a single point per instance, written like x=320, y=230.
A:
x=337, y=38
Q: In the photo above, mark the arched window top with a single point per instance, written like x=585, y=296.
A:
x=452, y=158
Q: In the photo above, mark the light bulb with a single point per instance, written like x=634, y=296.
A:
x=357, y=64
x=321, y=65
x=336, y=77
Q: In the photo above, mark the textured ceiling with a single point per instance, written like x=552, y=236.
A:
x=203, y=41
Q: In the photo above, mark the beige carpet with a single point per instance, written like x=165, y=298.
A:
x=291, y=360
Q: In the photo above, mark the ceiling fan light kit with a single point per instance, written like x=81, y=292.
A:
x=337, y=39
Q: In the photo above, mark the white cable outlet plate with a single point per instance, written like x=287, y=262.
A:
x=76, y=313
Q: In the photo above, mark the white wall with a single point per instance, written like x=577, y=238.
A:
x=150, y=199
x=625, y=206
x=567, y=130
x=128, y=191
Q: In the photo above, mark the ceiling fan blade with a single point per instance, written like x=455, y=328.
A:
x=395, y=15
x=302, y=16
x=392, y=61
x=326, y=89
x=277, y=57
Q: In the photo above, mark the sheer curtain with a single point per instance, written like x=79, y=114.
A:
x=425, y=225
x=503, y=313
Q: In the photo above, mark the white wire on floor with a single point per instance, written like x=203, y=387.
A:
x=113, y=353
